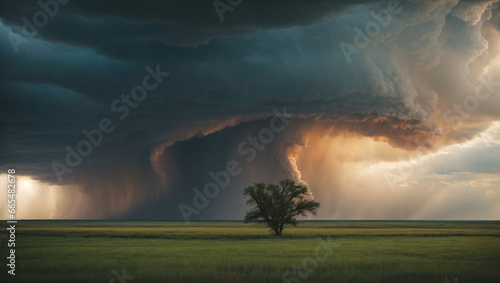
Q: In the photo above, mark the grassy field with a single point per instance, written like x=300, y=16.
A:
x=349, y=251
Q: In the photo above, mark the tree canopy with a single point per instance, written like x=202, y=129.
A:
x=278, y=205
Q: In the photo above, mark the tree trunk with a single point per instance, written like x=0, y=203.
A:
x=280, y=229
x=277, y=231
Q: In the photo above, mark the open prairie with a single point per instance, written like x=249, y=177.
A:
x=226, y=251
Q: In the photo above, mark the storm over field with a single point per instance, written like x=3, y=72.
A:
x=385, y=109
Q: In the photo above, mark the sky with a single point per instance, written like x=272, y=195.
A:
x=169, y=109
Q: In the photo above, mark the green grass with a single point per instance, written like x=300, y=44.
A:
x=156, y=251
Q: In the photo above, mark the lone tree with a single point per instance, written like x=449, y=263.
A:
x=277, y=205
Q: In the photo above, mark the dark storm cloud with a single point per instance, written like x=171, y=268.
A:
x=258, y=14
x=107, y=26
x=264, y=55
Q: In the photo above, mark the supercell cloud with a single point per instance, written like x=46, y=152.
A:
x=386, y=109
